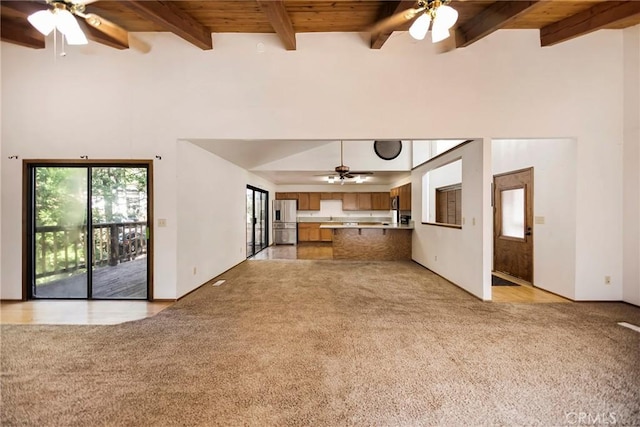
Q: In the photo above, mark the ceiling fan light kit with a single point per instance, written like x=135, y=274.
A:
x=436, y=13
x=60, y=18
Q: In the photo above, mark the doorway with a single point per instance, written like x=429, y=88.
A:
x=87, y=230
x=513, y=224
x=257, y=220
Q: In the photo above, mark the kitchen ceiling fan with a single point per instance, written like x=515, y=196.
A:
x=61, y=15
x=436, y=14
x=343, y=171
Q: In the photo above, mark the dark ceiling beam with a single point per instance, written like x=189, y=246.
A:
x=174, y=19
x=599, y=16
x=21, y=8
x=104, y=32
x=280, y=21
x=23, y=35
x=491, y=19
x=389, y=9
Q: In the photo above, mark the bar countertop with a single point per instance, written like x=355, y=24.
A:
x=381, y=226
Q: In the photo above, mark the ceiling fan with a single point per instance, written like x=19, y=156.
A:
x=343, y=171
x=435, y=13
x=61, y=15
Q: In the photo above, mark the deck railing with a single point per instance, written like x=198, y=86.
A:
x=60, y=249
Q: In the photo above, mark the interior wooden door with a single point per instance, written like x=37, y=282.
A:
x=513, y=224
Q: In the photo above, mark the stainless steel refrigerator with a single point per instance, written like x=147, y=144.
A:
x=285, y=227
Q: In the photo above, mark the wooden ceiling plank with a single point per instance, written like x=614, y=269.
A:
x=491, y=19
x=174, y=19
x=23, y=8
x=280, y=21
x=599, y=16
x=389, y=9
x=23, y=35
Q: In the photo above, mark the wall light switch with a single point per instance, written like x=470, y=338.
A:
x=162, y=222
x=539, y=220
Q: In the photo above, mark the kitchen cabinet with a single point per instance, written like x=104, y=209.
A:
x=326, y=196
x=326, y=234
x=308, y=201
x=314, y=201
x=337, y=195
x=350, y=201
x=404, y=194
x=303, y=201
x=364, y=201
x=380, y=201
x=405, y=197
x=309, y=232
x=286, y=196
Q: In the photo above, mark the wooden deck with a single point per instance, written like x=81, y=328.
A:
x=126, y=280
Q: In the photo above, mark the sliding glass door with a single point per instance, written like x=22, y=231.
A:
x=88, y=231
x=257, y=220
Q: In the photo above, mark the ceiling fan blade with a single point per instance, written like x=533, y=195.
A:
x=360, y=173
x=103, y=31
x=394, y=21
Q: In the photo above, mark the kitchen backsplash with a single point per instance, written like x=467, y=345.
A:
x=333, y=208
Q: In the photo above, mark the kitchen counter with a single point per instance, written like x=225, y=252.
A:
x=371, y=242
x=379, y=226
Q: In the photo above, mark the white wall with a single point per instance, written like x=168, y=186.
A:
x=631, y=166
x=554, y=200
x=210, y=216
x=358, y=155
x=463, y=255
x=106, y=103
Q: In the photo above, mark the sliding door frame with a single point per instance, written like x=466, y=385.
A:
x=28, y=164
x=255, y=191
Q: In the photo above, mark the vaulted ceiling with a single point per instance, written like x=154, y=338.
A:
x=197, y=22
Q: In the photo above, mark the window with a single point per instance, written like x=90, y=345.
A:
x=442, y=195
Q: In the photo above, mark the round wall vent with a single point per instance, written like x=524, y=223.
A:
x=387, y=150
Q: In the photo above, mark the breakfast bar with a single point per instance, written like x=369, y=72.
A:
x=367, y=242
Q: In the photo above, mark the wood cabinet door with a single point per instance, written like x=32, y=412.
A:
x=364, y=201
x=280, y=196
x=303, y=232
x=326, y=196
x=337, y=195
x=405, y=197
x=381, y=201
x=314, y=201
x=314, y=232
x=326, y=234
x=303, y=201
x=350, y=201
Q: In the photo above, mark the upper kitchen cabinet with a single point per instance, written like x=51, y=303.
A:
x=404, y=194
x=364, y=201
x=286, y=196
x=405, y=197
x=380, y=201
x=349, y=201
x=308, y=201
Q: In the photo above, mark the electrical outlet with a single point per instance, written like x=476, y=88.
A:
x=607, y=280
x=162, y=222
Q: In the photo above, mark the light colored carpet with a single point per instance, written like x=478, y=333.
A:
x=330, y=343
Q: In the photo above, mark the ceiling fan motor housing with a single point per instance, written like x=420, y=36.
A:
x=342, y=169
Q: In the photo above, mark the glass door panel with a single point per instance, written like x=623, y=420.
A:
x=257, y=231
x=59, y=224
x=513, y=213
x=119, y=236
x=250, y=233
